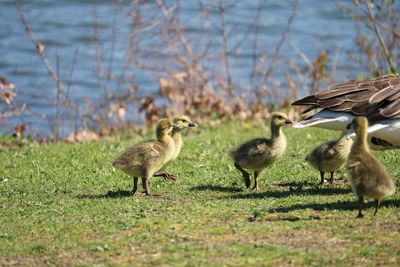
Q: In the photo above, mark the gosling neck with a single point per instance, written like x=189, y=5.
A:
x=163, y=138
x=176, y=134
x=361, y=142
x=276, y=132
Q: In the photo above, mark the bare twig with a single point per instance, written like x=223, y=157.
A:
x=386, y=52
x=278, y=47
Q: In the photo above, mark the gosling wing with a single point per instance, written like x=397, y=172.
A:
x=140, y=153
x=250, y=152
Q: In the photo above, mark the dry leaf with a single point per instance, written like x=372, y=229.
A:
x=40, y=48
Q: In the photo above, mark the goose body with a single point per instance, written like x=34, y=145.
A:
x=330, y=156
x=259, y=153
x=377, y=99
x=368, y=176
x=146, y=158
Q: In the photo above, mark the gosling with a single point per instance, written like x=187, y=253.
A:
x=259, y=153
x=182, y=122
x=146, y=158
x=369, y=177
x=330, y=156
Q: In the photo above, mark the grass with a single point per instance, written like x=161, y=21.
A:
x=64, y=204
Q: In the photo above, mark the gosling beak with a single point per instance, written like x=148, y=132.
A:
x=288, y=122
x=192, y=124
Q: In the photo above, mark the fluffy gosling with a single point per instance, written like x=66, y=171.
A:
x=182, y=122
x=146, y=158
x=369, y=176
x=330, y=156
x=259, y=153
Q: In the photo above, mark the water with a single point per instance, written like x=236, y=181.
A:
x=66, y=28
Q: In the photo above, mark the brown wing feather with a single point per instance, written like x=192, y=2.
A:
x=335, y=93
x=308, y=100
x=332, y=102
x=383, y=94
x=394, y=97
x=392, y=110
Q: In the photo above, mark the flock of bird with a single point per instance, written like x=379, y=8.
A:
x=367, y=112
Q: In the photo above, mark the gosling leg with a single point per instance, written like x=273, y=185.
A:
x=322, y=177
x=255, y=187
x=145, y=187
x=245, y=174
x=331, y=180
x=377, y=204
x=134, y=189
x=360, y=205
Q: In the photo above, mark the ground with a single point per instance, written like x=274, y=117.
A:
x=65, y=205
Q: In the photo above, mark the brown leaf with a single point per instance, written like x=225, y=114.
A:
x=40, y=48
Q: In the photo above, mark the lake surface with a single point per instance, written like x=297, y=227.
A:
x=65, y=27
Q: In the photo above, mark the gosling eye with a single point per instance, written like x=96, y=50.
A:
x=184, y=121
x=280, y=117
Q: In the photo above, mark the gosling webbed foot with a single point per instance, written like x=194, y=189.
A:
x=255, y=188
x=167, y=176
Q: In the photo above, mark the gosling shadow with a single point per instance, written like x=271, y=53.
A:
x=216, y=188
x=339, y=205
x=109, y=194
x=292, y=191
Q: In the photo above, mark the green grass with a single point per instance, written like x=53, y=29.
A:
x=64, y=204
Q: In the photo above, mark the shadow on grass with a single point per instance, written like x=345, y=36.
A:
x=109, y=194
x=217, y=188
x=292, y=191
x=339, y=205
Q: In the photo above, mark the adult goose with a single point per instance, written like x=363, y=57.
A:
x=377, y=99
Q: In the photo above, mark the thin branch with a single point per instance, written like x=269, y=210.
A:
x=380, y=37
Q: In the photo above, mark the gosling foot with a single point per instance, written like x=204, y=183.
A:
x=255, y=189
x=168, y=176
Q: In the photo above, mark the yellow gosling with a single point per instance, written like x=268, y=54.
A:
x=146, y=158
x=369, y=177
x=182, y=122
x=330, y=156
x=259, y=153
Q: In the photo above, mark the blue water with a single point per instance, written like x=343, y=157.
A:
x=66, y=27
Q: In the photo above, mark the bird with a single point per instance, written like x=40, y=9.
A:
x=259, y=153
x=182, y=122
x=378, y=99
x=368, y=176
x=330, y=156
x=146, y=158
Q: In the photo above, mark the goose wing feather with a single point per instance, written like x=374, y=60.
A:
x=376, y=98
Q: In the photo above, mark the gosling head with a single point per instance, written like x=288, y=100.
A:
x=279, y=119
x=183, y=122
x=164, y=127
